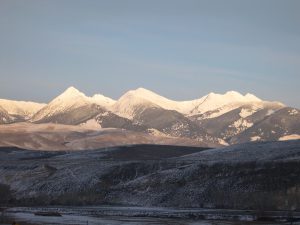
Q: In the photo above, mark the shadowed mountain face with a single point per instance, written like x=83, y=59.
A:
x=277, y=126
x=261, y=176
x=169, y=122
x=5, y=117
x=213, y=119
x=111, y=120
x=73, y=116
x=238, y=121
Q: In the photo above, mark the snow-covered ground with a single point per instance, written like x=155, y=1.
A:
x=290, y=137
x=157, y=176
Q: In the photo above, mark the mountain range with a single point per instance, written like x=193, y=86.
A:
x=212, y=120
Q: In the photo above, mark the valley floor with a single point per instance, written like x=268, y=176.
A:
x=144, y=216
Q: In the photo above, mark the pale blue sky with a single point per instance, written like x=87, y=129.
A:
x=179, y=49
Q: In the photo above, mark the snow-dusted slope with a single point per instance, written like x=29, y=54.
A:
x=229, y=124
x=143, y=95
x=223, y=103
x=279, y=125
x=21, y=108
x=73, y=101
x=71, y=98
x=102, y=100
x=252, y=107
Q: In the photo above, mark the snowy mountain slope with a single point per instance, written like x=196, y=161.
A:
x=278, y=125
x=235, y=121
x=181, y=106
x=220, y=104
x=173, y=124
x=21, y=108
x=74, y=115
x=133, y=103
x=255, y=106
x=134, y=113
x=72, y=107
x=210, y=102
x=167, y=121
x=102, y=100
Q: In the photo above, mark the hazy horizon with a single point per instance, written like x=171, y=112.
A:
x=181, y=50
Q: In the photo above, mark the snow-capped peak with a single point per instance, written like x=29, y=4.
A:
x=234, y=94
x=147, y=94
x=214, y=101
x=72, y=95
x=206, y=103
x=131, y=101
x=71, y=98
x=142, y=96
x=71, y=92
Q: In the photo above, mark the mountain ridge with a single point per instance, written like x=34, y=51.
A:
x=229, y=96
x=219, y=119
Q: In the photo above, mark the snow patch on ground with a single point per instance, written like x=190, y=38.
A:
x=241, y=124
x=270, y=112
x=157, y=133
x=218, y=112
x=102, y=100
x=105, y=114
x=222, y=142
x=293, y=112
x=246, y=112
x=289, y=137
x=255, y=138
